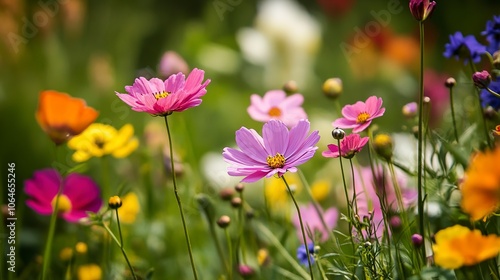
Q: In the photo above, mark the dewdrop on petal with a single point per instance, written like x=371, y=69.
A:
x=383, y=146
x=114, y=202
x=332, y=88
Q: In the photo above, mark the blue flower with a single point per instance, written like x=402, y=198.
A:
x=488, y=99
x=302, y=254
x=492, y=34
x=464, y=48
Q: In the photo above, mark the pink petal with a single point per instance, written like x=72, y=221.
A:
x=344, y=123
x=373, y=104
x=275, y=135
x=293, y=101
x=274, y=97
x=252, y=144
x=361, y=127
x=82, y=191
x=297, y=136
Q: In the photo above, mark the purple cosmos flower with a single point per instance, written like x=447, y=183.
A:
x=276, y=105
x=162, y=98
x=302, y=254
x=276, y=152
x=492, y=34
x=488, y=99
x=464, y=48
x=421, y=9
x=349, y=146
x=313, y=223
x=360, y=115
x=79, y=195
x=371, y=190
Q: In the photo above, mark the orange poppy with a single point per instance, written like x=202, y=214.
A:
x=62, y=116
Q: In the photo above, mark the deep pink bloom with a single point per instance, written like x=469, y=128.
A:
x=161, y=98
x=312, y=222
x=349, y=146
x=370, y=190
x=79, y=195
x=276, y=152
x=421, y=9
x=276, y=105
x=360, y=115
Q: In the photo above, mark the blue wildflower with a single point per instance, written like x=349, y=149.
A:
x=492, y=34
x=302, y=254
x=488, y=99
x=464, y=48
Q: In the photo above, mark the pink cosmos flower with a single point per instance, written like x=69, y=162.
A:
x=349, y=146
x=276, y=152
x=360, y=115
x=371, y=190
x=79, y=195
x=312, y=222
x=162, y=98
x=276, y=105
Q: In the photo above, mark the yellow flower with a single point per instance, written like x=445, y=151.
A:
x=481, y=186
x=277, y=195
x=89, y=272
x=130, y=208
x=457, y=246
x=320, y=190
x=66, y=254
x=102, y=139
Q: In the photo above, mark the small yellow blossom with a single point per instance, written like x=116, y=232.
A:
x=101, y=139
x=66, y=254
x=89, y=272
x=130, y=208
x=320, y=190
x=262, y=256
x=459, y=246
x=81, y=248
x=277, y=195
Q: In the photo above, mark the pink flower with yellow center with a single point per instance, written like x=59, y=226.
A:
x=79, y=194
x=349, y=146
x=276, y=152
x=313, y=222
x=162, y=98
x=275, y=105
x=360, y=115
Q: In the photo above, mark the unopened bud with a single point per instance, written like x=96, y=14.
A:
x=410, y=110
x=236, y=202
x=338, y=134
x=224, y=221
x=383, y=146
x=226, y=194
x=239, y=187
x=114, y=202
x=481, y=79
x=332, y=88
x=450, y=82
x=417, y=240
x=290, y=87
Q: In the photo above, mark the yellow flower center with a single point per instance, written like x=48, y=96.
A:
x=160, y=95
x=362, y=117
x=276, y=161
x=274, y=112
x=64, y=204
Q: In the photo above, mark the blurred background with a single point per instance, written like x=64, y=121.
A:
x=92, y=49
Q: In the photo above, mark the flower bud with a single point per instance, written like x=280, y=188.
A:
x=421, y=9
x=226, y=194
x=224, y=221
x=114, y=202
x=450, y=82
x=81, y=248
x=383, y=146
x=338, y=134
x=290, y=87
x=481, y=79
x=239, y=187
x=410, y=110
x=395, y=222
x=417, y=240
x=236, y=202
x=246, y=271
x=332, y=88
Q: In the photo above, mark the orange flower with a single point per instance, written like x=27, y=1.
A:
x=481, y=186
x=457, y=246
x=62, y=116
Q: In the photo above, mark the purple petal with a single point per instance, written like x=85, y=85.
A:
x=275, y=134
x=297, y=136
x=252, y=144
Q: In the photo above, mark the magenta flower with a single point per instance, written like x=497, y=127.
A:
x=162, y=98
x=421, y=9
x=360, y=115
x=313, y=223
x=276, y=152
x=276, y=105
x=79, y=195
x=349, y=146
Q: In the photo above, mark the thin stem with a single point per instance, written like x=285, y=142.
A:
x=121, y=245
x=230, y=249
x=179, y=204
x=420, y=173
x=241, y=230
x=492, y=92
x=349, y=205
x=453, y=115
x=218, y=246
x=481, y=114
x=301, y=227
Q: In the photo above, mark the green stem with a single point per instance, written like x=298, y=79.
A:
x=481, y=114
x=349, y=205
x=420, y=174
x=301, y=227
x=492, y=92
x=241, y=230
x=179, y=204
x=230, y=249
x=122, y=247
x=453, y=115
